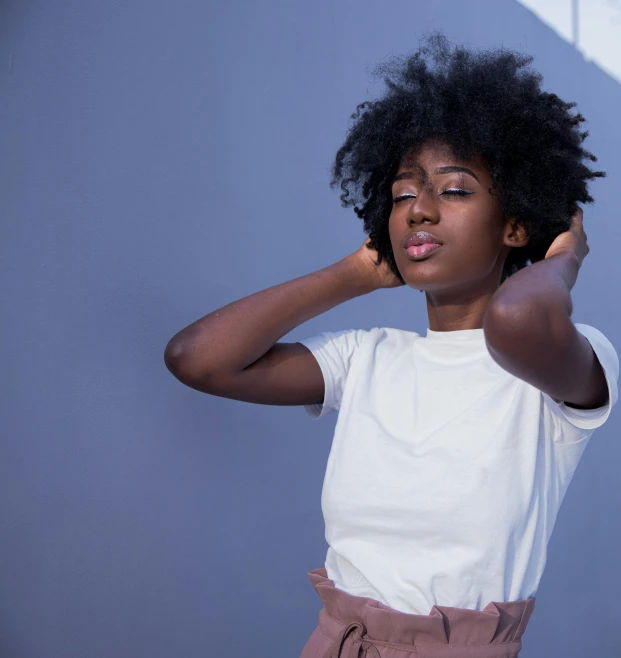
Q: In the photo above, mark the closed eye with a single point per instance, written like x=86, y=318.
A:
x=457, y=192
x=453, y=192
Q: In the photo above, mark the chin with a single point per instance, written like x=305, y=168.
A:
x=415, y=285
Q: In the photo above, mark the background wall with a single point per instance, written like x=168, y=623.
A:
x=142, y=518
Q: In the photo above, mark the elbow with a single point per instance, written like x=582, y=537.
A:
x=175, y=357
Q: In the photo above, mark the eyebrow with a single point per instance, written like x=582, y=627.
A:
x=439, y=170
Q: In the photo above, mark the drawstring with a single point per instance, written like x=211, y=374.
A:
x=335, y=650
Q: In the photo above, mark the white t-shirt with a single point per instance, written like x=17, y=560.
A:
x=446, y=472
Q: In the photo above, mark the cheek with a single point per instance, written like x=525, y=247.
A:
x=395, y=237
x=391, y=225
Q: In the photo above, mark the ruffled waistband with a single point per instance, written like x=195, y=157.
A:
x=446, y=632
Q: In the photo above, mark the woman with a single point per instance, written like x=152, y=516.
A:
x=453, y=451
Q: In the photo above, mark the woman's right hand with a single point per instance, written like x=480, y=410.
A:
x=379, y=276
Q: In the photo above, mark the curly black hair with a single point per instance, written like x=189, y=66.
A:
x=481, y=103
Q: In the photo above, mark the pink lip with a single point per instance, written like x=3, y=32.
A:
x=421, y=251
x=420, y=237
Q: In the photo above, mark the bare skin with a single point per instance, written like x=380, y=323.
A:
x=234, y=351
x=460, y=277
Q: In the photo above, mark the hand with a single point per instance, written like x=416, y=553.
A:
x=379, y=276
x=573, y=241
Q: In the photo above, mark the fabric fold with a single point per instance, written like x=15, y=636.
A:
x=446, y=632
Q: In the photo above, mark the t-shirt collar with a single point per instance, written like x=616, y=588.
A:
x=460, y=334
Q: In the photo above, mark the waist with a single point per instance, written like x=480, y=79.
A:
x=413, y=585
x=494, y=632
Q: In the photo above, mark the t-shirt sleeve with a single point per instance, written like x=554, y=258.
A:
x=334, y=351
x=590, y=419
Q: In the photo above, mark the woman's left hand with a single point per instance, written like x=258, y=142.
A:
x=574, y=240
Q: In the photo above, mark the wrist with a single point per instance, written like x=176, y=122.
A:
x=566, y=266
x=362, y=279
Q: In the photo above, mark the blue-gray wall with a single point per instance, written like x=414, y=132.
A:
x=159, y=160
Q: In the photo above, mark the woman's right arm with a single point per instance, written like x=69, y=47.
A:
x=233, y=351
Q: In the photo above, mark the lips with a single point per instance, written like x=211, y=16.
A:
x=420, y=237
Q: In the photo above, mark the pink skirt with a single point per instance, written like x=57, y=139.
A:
x=356, y=627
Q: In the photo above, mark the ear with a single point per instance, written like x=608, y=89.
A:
x=515, y=233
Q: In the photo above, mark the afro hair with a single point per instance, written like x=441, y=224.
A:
x=481, y=103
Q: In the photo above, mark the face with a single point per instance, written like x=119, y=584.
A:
x=433, y=192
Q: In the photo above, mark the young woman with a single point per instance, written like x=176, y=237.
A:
x=453, y=450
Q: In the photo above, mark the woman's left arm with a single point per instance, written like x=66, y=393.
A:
x=529, y=332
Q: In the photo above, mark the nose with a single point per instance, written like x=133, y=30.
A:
x=422, y=208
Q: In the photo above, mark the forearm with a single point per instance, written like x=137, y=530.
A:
x=543, y=286
x=232, y=337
